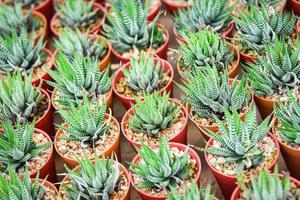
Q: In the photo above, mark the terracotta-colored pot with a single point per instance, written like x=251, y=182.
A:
x=127, y=193
x=45, y=123
x=226, y=34
x=227, y=183
x=94, y=30
x=247, y=58
x=146, y=196
x=290, y=154
x=181, y=137
x=173, y=7
x=295, y=4
x=114, y=148
x=45, y=76
x=108, y=99
x=105, y=61
x=49, y=185
x=214, y=128
x=161, y=51
x=127, y=101
x=43, y=33
x=237, y=192
x=264, y=105
x=46, y=8
x=232, y=73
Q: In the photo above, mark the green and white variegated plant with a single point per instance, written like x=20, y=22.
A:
x=276, y=72
x=209, y=93
x=159, y=169
x=14, y=19
x=71, y=42
x=260, y=2
x=13, y=187
x=27, y=4
x=20, y=52
x=267, y=186
x=144, y=75
x=17, y=145
x=128, y=30
x=78, y=14
x=78, y=76
x=19, y=100
x=153, y=114
x=288, y=114
x=215, y=14
x=96, y=179
x=204, y=48
x=239, y=140
x=192, y=192
x=261, y=25
x=85, y=122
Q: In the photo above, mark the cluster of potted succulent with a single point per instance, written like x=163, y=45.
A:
x=232, y=57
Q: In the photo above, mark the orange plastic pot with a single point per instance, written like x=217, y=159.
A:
x=237, y=192
x=105, y=61
x=181, y=137
x=295, y=4
x=247, y=58
x=45, y=123
x=43, y=33
x=113, y=148
x=265, y=106
x=128, y=101
x=147, y=196
x=232, y=73
x=160, y=52
x=94, y=30
x=173, y=7
x=290, y=155
x=227, y=183
x=48, y=185
x=127, y=192
x=46, y=8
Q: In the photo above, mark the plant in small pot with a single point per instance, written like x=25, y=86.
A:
x=144, y=74
x=286, y=128
x=87, y=16
x=192, y=192
x=154, y=117
x=22, y=145
x=274, y=74
x=23, y=54
x=215, y=14
x=86, y=129
x=259, y=26
x=206, y=48
x=14, y=19
x=13, y=187
x=241, y=147
x=101, y=178
x=76, y=77
x=157, y=169
x=209, y=93
x=20, y=101
x=267, y=186
x=71, y=42
x=130, y=33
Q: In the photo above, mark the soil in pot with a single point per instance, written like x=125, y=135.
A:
x=50, y=190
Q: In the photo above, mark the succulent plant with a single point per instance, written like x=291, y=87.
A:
x=267, y=186
x=239, y=140
x=75, y=42
x=288, y=114
x=128, y=29
x=153, y=114
x=192, y=192
x=209, y=93
x=17, y=145
x=159, y=169
x=144, y=74
x=205, y=48
x=14, y=19
x=78, y=76
x=261, y=25
x=120, y=4
x=20, y=52
x=85, y=122
x=18, y=98
x=78, y=14
x=276, y=72
x=207, y=13
x=13, y=187
x=96, y=179
x=260, y=2
x=24, y=3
